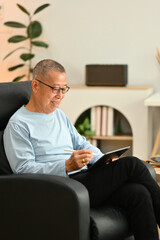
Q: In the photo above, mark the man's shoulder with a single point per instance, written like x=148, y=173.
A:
x=17, y=119
x=62, y=116
x=17, y=114
x=21, y=118
x=60, y=112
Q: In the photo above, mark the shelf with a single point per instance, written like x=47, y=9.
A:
x=127, y=100
x=116, y=137
x=153, y=100
x=128, y=87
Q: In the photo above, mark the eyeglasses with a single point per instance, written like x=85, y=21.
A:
x=55, y=90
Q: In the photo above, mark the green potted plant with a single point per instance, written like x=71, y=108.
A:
x=33, y=31
x=84, y=129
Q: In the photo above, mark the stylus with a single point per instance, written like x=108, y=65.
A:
x=71, y=150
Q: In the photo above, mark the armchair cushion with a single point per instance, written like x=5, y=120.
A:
x=115, y=219
x=13, y=95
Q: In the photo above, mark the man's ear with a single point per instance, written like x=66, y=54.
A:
x=35, y=86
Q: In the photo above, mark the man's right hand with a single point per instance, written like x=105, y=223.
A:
x=78, y=159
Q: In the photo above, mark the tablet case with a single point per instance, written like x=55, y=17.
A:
x=107, y=157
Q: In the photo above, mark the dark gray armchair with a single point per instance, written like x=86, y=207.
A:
x=38, y=207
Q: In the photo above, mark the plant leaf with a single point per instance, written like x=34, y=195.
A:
x=84, y=128
x=23, y=9
x=41, y=8
x=89, y=133
x=18, y=78
x=12, y=52
x=15, y=24
x=15, y=67
x=40, y=44
x=31, y=70
x=81, y=128
x=17, y=38
x=26, y=56
x=86, y=123
x=34, y=29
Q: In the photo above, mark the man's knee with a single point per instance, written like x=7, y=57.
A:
x=133, y=166
x=136, y=194
x=131, y=160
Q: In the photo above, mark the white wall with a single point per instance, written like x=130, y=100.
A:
x=82, y=32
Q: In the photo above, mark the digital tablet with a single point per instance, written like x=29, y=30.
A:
x=107, y=157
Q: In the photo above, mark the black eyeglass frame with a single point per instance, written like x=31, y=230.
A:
x=62, y=89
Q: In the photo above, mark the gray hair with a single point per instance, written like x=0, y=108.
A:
x=46, y=65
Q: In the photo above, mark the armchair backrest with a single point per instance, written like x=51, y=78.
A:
x=12, y=96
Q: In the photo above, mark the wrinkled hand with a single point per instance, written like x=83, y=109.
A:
x=78, y=159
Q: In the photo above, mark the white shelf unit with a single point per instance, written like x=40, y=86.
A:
x=127, y=100
x=114, y=138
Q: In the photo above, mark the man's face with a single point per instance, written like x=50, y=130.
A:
x=46, y=100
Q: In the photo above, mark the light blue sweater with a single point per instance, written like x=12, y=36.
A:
x=35, y=142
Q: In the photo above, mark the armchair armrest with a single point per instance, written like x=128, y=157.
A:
x=151, y=170
x=39, y=207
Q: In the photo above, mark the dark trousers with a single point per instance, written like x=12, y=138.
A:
x=126, y=183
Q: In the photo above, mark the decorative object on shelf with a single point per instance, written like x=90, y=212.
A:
x=104, y=122
x=33, y=30
x=118, y=127
x=106, y=75
x=84, y=129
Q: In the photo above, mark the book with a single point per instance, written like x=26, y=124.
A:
x=110, y=121
x=107, y=157
x=98, y=121
x=102, y=120
x=104, y=116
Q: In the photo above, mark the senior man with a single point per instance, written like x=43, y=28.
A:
x=38, y=133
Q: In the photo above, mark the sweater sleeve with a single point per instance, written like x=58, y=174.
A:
x=80, y=142
x=21, y=156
